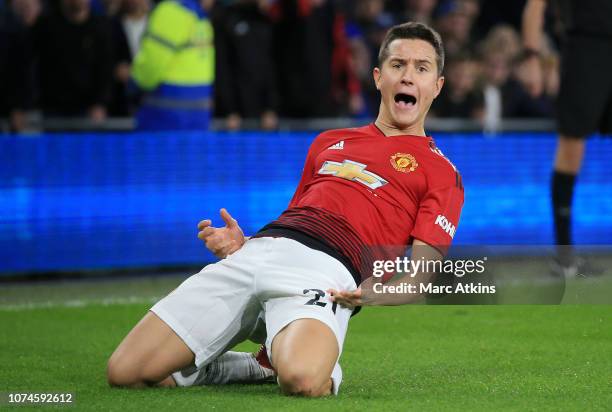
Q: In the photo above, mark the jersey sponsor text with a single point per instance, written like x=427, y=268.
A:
x=448, y=227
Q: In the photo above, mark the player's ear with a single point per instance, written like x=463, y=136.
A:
x=439, y=84
x=376, y=74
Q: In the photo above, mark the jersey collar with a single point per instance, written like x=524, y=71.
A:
x=375, y=129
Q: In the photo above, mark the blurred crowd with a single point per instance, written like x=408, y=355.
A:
x=273, y=58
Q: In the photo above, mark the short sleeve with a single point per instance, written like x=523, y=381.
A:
x=438, y=217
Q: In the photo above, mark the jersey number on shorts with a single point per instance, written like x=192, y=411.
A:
x=318, y=295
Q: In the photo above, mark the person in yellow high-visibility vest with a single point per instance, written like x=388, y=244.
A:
x=175, y=67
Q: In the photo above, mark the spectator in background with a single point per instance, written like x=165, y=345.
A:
x=134, y=15
x=531, y=97
x=498, y=51
x=496, y=71
x=128, y=30
x=361, y=63
x=505, y=40
x=366, y=31
x=175, y=67
x=75, y=61
x=454, y=25
x=371, y=23
x=520, y=76
x=548, y=62
x=510, y=91
x=17, y=76
x=26, y=11
x=419, y=10
x=460, y=96
x=311, y=59
x=471, y=8
x=346, y=87
x=246, y=84
x=108, y=8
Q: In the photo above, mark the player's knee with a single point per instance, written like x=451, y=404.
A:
x=123, y=374
x=302, y=383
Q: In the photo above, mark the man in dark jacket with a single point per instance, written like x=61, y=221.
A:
x=75, y=61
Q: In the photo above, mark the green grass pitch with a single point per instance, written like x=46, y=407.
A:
x=404, y=358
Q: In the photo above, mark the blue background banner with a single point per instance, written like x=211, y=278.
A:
x=87, y=201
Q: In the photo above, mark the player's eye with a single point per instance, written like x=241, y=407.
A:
x=422, y=69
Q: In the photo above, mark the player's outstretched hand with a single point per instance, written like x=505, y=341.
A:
x=346, y=298
x=222, y=241
x=362, y=296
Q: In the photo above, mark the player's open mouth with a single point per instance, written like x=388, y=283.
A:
x=405, y=101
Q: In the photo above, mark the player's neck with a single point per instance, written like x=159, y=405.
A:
x=389, y=129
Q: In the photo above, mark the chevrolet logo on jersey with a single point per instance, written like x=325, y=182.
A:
x=353, y=171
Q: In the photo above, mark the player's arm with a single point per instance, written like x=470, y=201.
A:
x=433, y=231
x=371, y=293
x=222, y=241
x=533, y=24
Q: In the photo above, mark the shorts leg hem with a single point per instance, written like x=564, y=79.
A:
x=200, y=354
x=336, y=378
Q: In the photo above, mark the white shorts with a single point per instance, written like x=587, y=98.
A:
x=253, y=294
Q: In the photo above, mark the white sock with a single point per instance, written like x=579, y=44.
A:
x=230, y=367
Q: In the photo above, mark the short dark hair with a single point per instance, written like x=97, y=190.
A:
x=413, y=30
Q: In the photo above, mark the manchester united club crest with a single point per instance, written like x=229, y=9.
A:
x=404, y=162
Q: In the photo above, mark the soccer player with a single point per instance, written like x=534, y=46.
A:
x=383, y=184
x=584, y=105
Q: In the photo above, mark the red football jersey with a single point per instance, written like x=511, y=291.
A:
x=390, y=189
x=361, y=190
